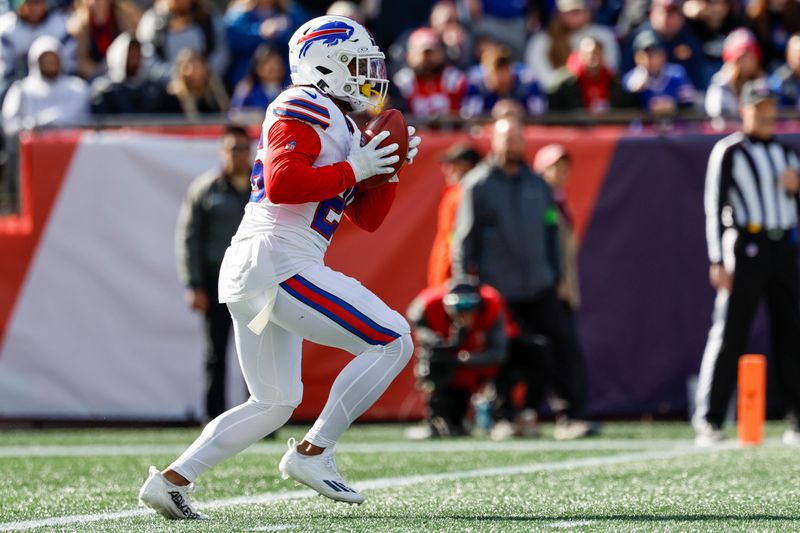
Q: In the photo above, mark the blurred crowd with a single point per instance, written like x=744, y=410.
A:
x=65, y=60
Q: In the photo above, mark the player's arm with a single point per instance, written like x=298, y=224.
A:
x=466, y=235
x=190, y=237
x=370, y=207
x=290, y=177
x=495, y=347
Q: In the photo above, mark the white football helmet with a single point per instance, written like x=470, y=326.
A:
x=339, y=57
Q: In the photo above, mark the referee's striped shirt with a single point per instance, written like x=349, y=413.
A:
x=744, y=188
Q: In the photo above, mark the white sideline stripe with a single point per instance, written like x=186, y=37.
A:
x=373, y=447
x=386, y=483
x=277, y=527
x=569, y=524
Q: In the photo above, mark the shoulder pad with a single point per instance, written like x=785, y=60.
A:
x=303, y=104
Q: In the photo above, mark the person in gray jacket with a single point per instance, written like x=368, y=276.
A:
x=209, y=217
x=507, y=234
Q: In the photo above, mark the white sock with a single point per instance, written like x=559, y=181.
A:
x=230, y=433
x=357, y=387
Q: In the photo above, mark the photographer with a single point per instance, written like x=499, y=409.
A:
x=461, y=333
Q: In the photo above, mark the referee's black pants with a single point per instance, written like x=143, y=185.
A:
x=765, y=267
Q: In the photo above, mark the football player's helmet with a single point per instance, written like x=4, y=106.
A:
x=339, y=57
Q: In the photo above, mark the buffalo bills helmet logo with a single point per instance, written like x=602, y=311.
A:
x=330, y=34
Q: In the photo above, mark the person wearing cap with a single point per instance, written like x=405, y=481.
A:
x=741, y=55
x=569, y=383
x=661, y=87
x=461, y=332
x=456, y=163
x=498, y=77
x=429, y=87
x=19, y=28
x=547, y=51
x=587, y=83
x=751, y=206
x=785, y=81
x=666, y=19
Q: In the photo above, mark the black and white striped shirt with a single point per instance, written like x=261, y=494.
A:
x=744, y=188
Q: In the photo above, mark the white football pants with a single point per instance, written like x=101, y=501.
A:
x=327, y=308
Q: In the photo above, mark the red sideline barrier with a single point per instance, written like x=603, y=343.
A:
x=391, y=262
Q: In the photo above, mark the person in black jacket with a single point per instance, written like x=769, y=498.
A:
x=507, y=234
x=127, y=88
x=209, y=217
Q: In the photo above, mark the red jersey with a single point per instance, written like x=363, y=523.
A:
x=438, y=96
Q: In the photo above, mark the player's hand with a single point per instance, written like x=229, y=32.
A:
x=369, y=160
x=413, y=142
x=791, y=180
x=719, y=277
x=198, y=300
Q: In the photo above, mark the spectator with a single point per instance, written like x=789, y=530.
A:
x=632, y=15
x=210, y=214
x=127, y=88
x=587, y=83
x=45, y=96
x=682, y=47
x=772, y=22
x=498, y=77
x=741, y=56
x=549, y=50
x=427, y=86
x=264, y=82
x=507, y=108
x=461, y=332
x=94, y=25
x=711, y=21
x=456, y=163
x=786, y=80
x=507, y=234
x=171, y=26
x=351, y=10
x=456, y=39
x=250, y=23
x=194, y=89
x=553, y=163
x=20, y=28
x=661, y=87
x=501, y=21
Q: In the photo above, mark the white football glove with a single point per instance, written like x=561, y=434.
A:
x=413, y=142
x=369, y=160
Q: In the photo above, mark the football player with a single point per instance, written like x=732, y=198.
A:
x=305, y=179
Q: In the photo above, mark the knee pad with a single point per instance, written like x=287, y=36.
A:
x=402, y=347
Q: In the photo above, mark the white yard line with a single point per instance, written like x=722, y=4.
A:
x=385, y=483
x=445, y=446
x=570, y=524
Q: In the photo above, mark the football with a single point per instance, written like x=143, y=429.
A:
x=392, y=121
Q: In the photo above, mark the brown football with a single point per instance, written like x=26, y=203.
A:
x=392, y=121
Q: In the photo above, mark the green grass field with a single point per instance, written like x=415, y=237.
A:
x=635, y=477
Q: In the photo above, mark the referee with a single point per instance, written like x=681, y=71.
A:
x=751, y=205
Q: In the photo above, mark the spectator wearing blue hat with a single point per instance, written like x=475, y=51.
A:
x=785, y=81
x=666, y=19
x=662, y=87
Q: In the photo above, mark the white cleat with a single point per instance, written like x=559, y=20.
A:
x=791, y=437
x=319, y=473
x=170, y=501
x=707, y=435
